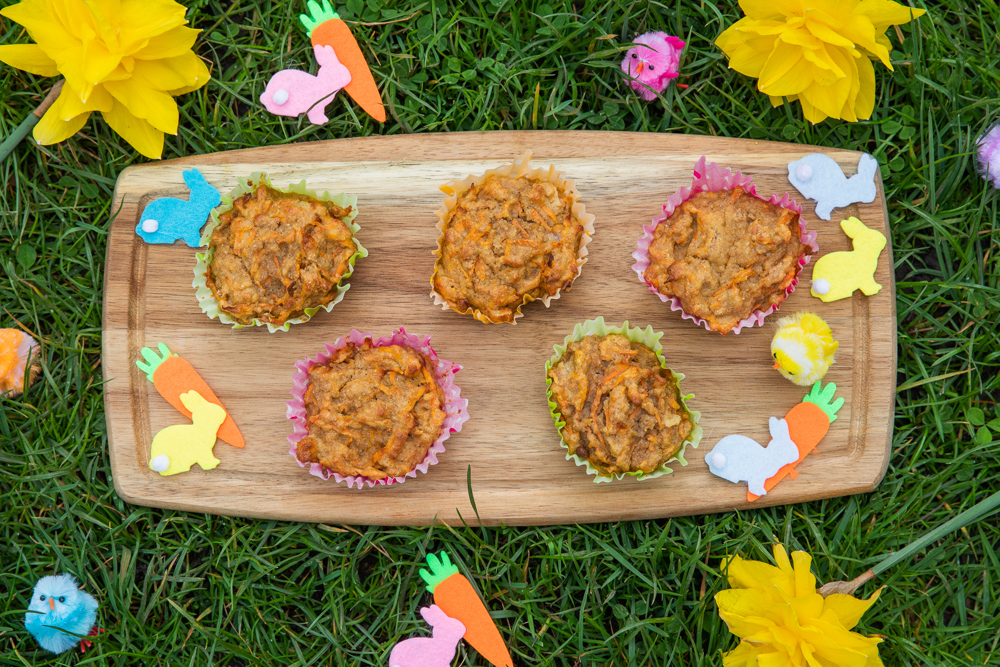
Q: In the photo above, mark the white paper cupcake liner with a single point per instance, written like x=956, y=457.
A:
x=207, y=301
x=456, y=407
x=710, y=177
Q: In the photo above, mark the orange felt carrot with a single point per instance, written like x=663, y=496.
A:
x=326, y=28
x=808, y=423
x=173, y=376
x=455, y=596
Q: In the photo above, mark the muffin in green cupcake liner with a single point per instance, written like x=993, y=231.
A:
x=207, y=301
x=651, y=340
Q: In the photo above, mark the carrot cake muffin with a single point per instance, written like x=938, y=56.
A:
x=725, y=255
x=623, y=411
x=511, y=237
x=372, y=411
x=276, y=253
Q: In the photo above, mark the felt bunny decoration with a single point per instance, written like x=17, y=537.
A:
x=837, y=275
x=738, y=458
x=434, y=651
x=818, y=177
x=167, y=219
x=292, y=92
x=176, y=448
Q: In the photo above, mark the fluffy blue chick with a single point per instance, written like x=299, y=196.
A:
x=60, y=606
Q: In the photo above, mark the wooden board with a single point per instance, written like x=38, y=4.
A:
x=519, y=473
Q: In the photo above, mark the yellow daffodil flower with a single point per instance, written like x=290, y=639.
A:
x=783, y=621
x=818, y=52
x=124, y=58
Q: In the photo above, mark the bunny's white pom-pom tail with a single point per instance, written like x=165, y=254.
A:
x=160, y=463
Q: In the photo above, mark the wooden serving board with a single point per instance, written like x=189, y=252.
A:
x=520, y=475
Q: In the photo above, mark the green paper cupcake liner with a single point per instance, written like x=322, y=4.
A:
x=207, y=301
x=651, y=340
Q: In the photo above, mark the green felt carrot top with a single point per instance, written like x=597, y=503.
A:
x=153, y=360
x=318, y=15
x=440, y=569
x=823, y=399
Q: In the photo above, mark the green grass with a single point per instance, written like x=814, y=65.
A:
x=188, y=589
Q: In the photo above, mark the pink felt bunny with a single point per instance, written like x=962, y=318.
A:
x=434, y=651
x=292, y=92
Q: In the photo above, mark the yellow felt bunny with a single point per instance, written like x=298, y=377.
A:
x=176, y=448
x=838, y=274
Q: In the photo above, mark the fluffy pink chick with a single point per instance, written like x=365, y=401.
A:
x=653, y=63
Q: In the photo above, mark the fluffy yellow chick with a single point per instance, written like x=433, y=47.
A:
x=803, y=348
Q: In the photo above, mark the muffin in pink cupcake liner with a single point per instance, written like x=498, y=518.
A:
x=456, y=407
x=710, y=177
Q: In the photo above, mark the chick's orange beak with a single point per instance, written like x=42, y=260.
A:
x=776, y=366
x=640, y=67
x=52, y=604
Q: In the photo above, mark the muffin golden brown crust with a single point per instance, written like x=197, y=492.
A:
x=507, y=238
x=372, y=411
x=726, y=254
x=276, y=254
x=623, y=411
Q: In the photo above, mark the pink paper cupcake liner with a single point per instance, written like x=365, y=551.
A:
x=710, y=177
x=456, y=407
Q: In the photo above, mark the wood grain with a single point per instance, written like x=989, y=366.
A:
x=519, y=474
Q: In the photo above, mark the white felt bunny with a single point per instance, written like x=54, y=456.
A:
x=738, y=458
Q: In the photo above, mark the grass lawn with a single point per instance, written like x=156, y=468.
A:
x=189, y=589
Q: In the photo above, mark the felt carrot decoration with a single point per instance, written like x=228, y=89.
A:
x=173, y=376
x=455, y=596
x=808, y=423
x=325, y=28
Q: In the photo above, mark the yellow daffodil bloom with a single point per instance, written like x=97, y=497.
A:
x=124, y=58
x=783, y=621
x=818, y=52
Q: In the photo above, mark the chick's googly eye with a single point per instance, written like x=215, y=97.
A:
x=634, y=56
x=62, y=598
x=42, y=598
x=651, y=68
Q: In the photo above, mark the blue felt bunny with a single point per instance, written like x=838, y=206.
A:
x=167, y=219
